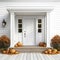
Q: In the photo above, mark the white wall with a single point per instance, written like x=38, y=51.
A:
x=4, y=15
x=54, y=15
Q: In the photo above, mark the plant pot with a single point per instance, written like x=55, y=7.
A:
x=56, y=45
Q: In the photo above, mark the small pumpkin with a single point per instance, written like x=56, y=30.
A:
x=19, y=44
x=42, y=44
x=12, y=51
x=16, y=52
x=55, y=50
x=58, y=52
x=49, y=50
x=16, y=45
x=46, y=52
x=4, y=52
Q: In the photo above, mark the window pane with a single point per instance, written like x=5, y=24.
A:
x=39, y=30
x=19, y=25
x=39, y=25
x=19, y=20
x=39, y=21
x=19, y=30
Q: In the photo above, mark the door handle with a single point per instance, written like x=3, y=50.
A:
x=24, y=33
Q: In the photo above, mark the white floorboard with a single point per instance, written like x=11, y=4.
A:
x=29, y=56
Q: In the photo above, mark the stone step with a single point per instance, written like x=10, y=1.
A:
x=30, y=49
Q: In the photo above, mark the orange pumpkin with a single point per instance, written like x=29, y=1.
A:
x=19, y=44
x=12, y=51
x=4, y=52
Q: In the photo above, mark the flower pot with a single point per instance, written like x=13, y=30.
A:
x=56, y=45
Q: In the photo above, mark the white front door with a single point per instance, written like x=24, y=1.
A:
x=28, y=30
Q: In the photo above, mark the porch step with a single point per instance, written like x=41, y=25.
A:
x=30, y=49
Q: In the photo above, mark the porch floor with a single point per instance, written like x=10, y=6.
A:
x=29, y=56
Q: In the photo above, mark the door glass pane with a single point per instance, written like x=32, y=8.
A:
x=39, y=25
x=39, y=30
x=19, y=20
x=19, y=25
x=39, y=21
x=19, y=30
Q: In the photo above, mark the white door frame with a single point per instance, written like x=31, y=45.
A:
x=27, y=9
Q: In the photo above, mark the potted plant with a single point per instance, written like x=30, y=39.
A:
x=4, y=42
x=55, y=42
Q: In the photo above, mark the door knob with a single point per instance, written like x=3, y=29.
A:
x=24, y=33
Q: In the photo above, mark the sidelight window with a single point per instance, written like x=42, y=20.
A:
x=39, y=25
x=19, y=25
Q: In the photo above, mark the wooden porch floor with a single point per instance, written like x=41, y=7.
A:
x=29, y=56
